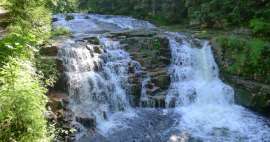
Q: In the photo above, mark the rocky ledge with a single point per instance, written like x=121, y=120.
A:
x=151, y=49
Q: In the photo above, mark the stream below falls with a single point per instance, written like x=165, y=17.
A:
x=199, y=106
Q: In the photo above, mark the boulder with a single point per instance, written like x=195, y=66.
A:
x=251, y=94
x=92, y=40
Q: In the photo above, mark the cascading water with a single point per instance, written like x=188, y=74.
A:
x=94, y=93
x=205, y=103
x=200, y=107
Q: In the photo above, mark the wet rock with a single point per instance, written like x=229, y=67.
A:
x=97, y=49
x=133, y=33
x=54, y=19
x=151, y=49
x=69, y=17
x=57, y=100
x=253, y=95
x=50, y=115
x=157, y=101
x=86, y=121
x=92, y=40
x=97, y=66
x=49, y=51
x=161, y=78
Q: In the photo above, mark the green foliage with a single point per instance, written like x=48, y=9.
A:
x=63, y=6
x=47, y=69
x=206, y=13
x=217, y=13
x=30, y=17
x=22, y=104
x=16, y=46
x=260, y=27
x=159, y=11
x=60, y=31
x=22, y=99
x=246, y=57
x=156, y=44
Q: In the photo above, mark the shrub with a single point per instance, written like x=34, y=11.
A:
x=260, y=27
x=60, y=31
x=247, y=57
x=22, y=103
x=16, y=46
x=47, y=69
x=62, y=6
x=31, y=17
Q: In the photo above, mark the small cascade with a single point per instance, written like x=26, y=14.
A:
x=145, y=101
x=193, y=69
x=97, y=82
x=205, y=103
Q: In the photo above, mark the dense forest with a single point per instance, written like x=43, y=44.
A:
x=240, y=27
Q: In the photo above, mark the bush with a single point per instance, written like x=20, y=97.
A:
x=63, y=6
x=246, y=57
x=47, y=69
x=224, y=13
x=16, y=46
x=260, y=27
x=31, y=17
x=22, y=104
x=59, y=31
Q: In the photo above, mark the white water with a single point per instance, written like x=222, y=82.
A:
x=97, y=94
x=204, y=101
x=94, y=93
x=204, y=105
x=95, y=23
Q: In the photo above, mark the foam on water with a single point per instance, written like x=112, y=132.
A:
x=204, y=101
x=96, y=93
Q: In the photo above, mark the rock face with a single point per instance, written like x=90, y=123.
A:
x=58, y=100
x=151, y=49
x=249, y=93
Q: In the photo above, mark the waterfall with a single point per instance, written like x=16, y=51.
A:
x=205, y=103
x=194, y=75
x=97, y=82
x=199, y=106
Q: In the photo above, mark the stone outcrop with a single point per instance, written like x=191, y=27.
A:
x=151, y=49
x=249, y=93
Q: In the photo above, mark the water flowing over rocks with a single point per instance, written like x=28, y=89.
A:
x=127, y=81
